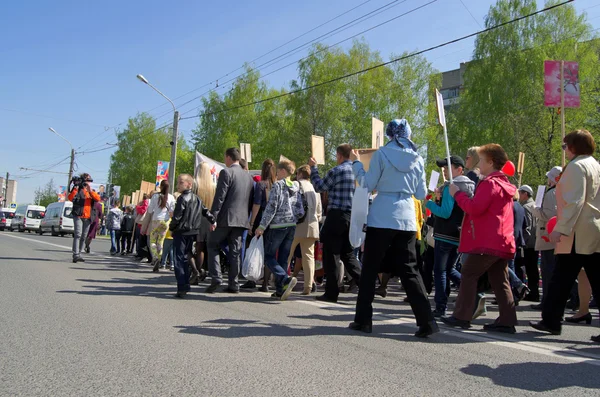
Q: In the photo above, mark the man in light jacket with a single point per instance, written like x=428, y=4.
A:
x=231, y=208
x=307, y=232
x=542, y=215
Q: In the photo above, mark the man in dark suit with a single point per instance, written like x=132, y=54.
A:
x=231, y=207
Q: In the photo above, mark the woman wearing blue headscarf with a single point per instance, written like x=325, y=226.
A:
x=397, y=173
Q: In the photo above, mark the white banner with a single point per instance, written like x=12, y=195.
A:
x=215, y=166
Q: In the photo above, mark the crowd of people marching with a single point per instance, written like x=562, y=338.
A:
x=479, y=233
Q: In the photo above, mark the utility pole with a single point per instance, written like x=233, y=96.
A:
x=173, y=151
x=71, y=167
x=175, y=133
x=5, y=189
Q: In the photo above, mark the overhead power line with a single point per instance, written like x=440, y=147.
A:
x=50, y=172
x=328, y=47
x=287, y=54
x=267, y=53
x=386, y=63
x=233, y=71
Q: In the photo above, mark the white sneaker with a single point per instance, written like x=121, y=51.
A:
x=481, y=310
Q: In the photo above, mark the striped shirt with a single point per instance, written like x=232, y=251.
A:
x=338, y=183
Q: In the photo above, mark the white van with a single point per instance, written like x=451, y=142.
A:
x=28, y=217
x=58, y=219
x=9, y=213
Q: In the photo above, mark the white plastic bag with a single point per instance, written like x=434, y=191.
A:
x=252, y=268
x=358, y=218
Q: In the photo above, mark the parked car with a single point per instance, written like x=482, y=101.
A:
x=2, y=221
x=28, y=217
x=58, y=219
x=9, y=213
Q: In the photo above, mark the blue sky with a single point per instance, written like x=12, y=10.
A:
x=71, y=65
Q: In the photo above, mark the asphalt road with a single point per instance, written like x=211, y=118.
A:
x=110, y=326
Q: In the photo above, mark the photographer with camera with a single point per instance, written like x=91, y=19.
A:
x=83, y=198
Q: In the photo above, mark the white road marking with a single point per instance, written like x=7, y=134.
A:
x=36, y=241
x=536, y=348
x=66, y=248
x=476, y=336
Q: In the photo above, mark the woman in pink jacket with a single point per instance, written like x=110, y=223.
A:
x=487, y=236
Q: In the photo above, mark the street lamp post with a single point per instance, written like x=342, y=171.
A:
x=72, y=155
x=175, y=133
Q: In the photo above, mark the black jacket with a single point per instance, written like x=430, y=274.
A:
x=520, y=224
x=127, y=223
x=187, y=215
x=234, y=198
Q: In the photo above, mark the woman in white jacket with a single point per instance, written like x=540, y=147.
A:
x=161, y=209
x=577, y=230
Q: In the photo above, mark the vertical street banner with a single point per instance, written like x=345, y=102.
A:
x=552, y=84
x=61, y=193
x=162, y=172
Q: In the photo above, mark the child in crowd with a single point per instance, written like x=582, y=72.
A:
x=167, y=252
x=113, y=223
x=127, y=225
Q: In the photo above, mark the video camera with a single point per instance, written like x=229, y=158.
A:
x=78, y=182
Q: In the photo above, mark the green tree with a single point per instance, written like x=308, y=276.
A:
x=141, y=145
x=340, y=111
x=46, y=195
x=503, y=99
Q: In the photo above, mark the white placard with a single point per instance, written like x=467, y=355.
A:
x=433, y=181
x=539, y=197
x=440, y=108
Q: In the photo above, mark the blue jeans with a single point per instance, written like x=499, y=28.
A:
x=182, y=246
x=278, y=243
x=115, y=243
x=168, y=252
x=445, y=255
x=515, y=281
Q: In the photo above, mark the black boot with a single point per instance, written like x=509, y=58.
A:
x=428, y=329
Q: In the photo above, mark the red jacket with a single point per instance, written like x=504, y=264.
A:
x=488, y=225
x=141, y=209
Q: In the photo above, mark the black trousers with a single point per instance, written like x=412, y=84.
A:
x=399, y=245
x=336, y=247
x=427, y=274
x=530, y=261
x=563, y=278
x=126, y=241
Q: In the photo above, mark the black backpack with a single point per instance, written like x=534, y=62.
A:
x=304, y=205
x=78, y=203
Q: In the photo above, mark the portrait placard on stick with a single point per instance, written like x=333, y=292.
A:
x=245, y=152
x=439, y=99
x=377, y=128
x=539, y=197
x=318, y=148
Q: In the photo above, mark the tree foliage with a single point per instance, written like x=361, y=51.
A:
x=340, y=111
x=141, y=145
x=503, y=99
x=46, y=195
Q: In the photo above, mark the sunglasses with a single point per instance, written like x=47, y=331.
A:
x=564, y=146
